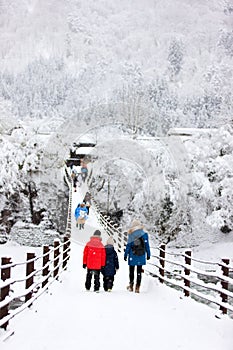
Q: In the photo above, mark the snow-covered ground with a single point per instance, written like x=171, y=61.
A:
x=68, y=317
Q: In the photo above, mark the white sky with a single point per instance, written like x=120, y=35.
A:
x=68, y=317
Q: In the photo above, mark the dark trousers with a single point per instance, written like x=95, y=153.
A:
x=96, y=274
x=108, y=282
x=139, y=274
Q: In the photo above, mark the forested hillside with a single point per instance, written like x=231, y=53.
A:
x=169, y=62
x=153, y=65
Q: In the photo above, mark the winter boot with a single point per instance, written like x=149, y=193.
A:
x=137, y=288
x=130, y=287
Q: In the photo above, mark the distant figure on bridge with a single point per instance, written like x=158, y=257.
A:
x=112, y=265
x=84, y=171
x=71, y=165
x=80, y=215
x=75, y=181
x=74, y=178
x=73, y=172
x=94, y=258
x=137, y=249
x=87, y=201
x=73, y=151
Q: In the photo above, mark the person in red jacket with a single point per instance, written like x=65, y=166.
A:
x=94, y=257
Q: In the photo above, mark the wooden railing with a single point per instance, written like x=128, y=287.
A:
x=36, y=273
x=111, y=228
x=16, y=294
x=206, y=281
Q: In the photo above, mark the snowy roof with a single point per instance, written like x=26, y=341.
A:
x=6, y=125
x=86, y=138
x=188, y=131
x=147, y=138
x=84, y=150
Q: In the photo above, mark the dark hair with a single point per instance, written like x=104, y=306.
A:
x=97, y=233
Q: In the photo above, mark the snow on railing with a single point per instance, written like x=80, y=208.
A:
x=111, y=228
x=69, y=183
x=16, y=294
x=212, y=283
x=25, y=290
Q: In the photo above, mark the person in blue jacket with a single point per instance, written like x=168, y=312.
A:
x=80, y=215
x=137, y=251
x=111, y=266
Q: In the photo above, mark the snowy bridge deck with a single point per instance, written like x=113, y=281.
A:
x=68, y=317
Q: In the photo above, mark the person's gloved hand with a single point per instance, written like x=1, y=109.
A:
x=125, y=258
x=84, y=266
x=148, y=257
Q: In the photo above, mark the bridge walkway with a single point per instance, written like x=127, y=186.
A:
x=68, y=317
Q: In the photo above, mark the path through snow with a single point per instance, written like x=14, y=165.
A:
x=69, y=318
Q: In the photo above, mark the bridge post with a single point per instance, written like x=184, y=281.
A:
x=188, y=259
x=68, y=251
x=45, y=270
x=29, y=271
x=56, y=259
x=4, y=291
x=162, y=248
x=224, y=284
x=119, y=242
x=125, y=238
x=65, y=253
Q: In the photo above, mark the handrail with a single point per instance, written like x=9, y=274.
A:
x=4, y=321
x=197, y=281
x=183, y=255
x=189, y=279
x=45, y=275
x=118, y=236
x=37, y=279
x=190, y=284
x=2, y=267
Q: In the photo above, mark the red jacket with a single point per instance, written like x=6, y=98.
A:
x=94, y=255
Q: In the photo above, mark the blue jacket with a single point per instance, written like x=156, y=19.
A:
x=77, y=212
x=112, y=262
x=134, y=260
